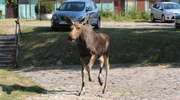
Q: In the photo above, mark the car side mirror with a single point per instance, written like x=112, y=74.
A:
x=161, y=9
x=88, y=9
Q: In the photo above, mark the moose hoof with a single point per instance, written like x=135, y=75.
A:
x=90, y=80
x=103, y=92
x=81, y=93
x=100, y=81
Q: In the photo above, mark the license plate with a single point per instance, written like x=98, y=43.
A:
x=62, y=22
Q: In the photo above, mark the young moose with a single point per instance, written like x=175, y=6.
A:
x=91, y=45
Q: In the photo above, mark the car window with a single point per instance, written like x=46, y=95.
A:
x=171, y=6
x=72, y=6
x=92, y=4
x=160, y=6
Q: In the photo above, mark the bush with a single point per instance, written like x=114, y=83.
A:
x=0, y=13
x=130, y=15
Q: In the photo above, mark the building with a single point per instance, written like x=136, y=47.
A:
x=26, y=10
x=127, y=5
x=123, y=5
x=9, y=9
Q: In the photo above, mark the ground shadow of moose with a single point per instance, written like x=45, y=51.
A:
x=10, y=88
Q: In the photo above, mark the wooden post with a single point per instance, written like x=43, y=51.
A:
x=30, y=9
x=39, y=9
x=18, y=35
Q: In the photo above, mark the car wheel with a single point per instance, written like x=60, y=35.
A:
x=98, y=24
x=152, y=18
x=53, y=28
x=176, y=26
x=163, y=19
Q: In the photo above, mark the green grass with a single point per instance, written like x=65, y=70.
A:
x=128, y=16
x=43, y=47
x=16, y=87
x=2, y=31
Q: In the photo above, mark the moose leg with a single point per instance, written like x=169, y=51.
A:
x=83, y=78
x=106, y=58
x=89, y=66
x=100, y=70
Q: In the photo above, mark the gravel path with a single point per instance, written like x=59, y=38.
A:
x=125, y=83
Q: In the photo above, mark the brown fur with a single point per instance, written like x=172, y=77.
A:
x=93, y=45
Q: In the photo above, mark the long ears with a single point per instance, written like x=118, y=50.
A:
x=68, y=20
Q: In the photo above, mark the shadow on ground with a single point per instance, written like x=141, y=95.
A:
x=42, y=47
x=10, y=88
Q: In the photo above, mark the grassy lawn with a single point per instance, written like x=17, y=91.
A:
x=16, y=87
x=131, y=16
x=43, y=47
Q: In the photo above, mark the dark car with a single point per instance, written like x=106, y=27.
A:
x=77, y=11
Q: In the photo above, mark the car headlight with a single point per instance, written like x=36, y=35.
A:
x=54, y=17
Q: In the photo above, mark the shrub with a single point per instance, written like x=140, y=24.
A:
x=130, y=15
x=0, y=13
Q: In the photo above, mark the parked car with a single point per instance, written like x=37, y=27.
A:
x=164, y=11
x=77, y=11
x=177, y=21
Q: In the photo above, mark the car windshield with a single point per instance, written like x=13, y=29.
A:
x=72, y=6
x=171, y=6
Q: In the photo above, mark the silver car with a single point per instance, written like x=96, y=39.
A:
x=76, y=10
x=164, y=11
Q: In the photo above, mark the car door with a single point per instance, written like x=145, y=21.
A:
x=154, y=10
x=95, y=15
x=159, y=11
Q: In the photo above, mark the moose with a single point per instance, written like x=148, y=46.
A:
x=91, y=45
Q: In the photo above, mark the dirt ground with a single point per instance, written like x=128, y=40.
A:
x=134, y=82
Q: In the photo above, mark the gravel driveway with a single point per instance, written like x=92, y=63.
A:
x=161, y=82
